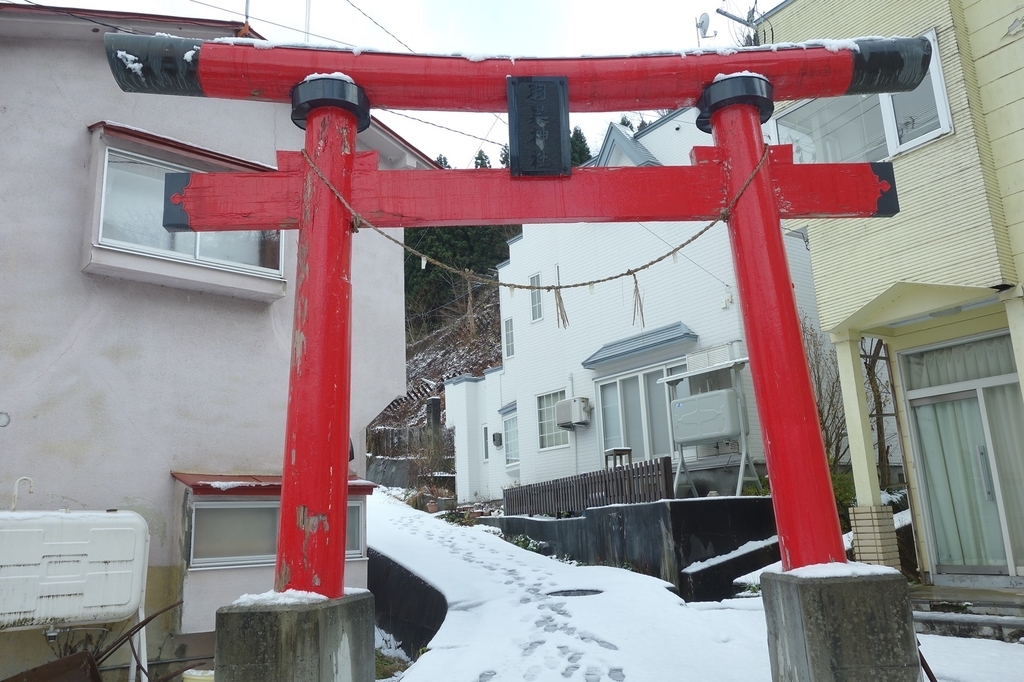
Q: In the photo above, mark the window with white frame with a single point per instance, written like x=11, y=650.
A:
x=487, y=446
x=634, y=412
x=548, y=433
x=511, y=427
x=234, y=533
x=858, y=128
x=355, y=541
x=536, y=310
x=132, y=218
x=231, y=533
x=128, y=239
x=510, y=345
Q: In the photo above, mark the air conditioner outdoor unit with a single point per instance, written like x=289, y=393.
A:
x=572, y=412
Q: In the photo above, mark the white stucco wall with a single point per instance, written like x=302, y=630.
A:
x=111, y=384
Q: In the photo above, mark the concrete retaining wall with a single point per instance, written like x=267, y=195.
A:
x=405, y=605
x=658, y=538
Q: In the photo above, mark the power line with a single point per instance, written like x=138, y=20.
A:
x=437, y=125
x=684, y=255
x=378, y=24
x=272, y=23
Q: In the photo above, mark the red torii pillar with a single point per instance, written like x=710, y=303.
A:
x=311, y=548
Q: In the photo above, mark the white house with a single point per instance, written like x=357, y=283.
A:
x=142, y=370
x=505, y=426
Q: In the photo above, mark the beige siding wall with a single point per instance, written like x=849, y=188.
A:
x=950, y=229
x=1000, y=81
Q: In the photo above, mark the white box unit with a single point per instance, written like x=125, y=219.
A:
x=60, y=567
x=706, y=417
x=572, y=412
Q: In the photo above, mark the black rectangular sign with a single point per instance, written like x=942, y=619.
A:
x=538, y=123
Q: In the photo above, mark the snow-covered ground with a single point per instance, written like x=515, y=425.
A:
x=506, y=621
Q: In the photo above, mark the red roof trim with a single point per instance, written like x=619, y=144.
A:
x=228, y=26
x=246, y=485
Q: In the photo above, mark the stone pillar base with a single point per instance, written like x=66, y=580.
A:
x=874, y=536
x=327, y=641
x=856, y=628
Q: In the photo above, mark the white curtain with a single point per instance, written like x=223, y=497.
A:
x=968, y=361
x=965, y=517
x=1005, y=409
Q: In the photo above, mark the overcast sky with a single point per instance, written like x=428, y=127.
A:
x=525, y=28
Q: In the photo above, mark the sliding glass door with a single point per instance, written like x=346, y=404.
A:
x=968, y=426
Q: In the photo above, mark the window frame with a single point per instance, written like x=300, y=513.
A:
x=557, y=432
x=536, y=300
x=509, y=342
x=487, y=445
x=136, y=262
x=888, y=112
x=640, y=373
x=359, y=553
x=230, y=562
x=506, y=441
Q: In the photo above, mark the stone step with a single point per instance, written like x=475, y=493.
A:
x=979, y=626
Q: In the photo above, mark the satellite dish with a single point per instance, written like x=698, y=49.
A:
x=702, y=25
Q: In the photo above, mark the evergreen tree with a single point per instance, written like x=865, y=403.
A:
x=643, y=124
x=433, y=295
x=503, y=159
x=624, y=121
x=578, y=147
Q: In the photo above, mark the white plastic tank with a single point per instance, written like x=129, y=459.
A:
x=70, y=567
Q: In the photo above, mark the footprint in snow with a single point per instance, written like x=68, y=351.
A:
x=570, y=670
x=486, y=675
x=616, y=674
x=532, y=646
x=532, y=673
x=592, y=675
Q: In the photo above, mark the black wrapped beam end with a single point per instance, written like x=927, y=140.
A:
x=737, y=89
x=889, y=65
x=888, y=201
x=330, y=91
x=175, y=216
x=160, y=65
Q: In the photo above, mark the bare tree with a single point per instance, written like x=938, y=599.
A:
x=876, y=377
x=828, y=394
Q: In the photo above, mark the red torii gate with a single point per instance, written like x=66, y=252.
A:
x=318, y=194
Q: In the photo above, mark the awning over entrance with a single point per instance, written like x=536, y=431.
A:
x=904, y=303
x=660, y=340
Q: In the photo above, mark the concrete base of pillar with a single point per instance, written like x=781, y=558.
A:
x=856, y=628
x=327, y=641
x=874, y=536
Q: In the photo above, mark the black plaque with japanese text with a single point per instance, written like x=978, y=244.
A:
x=538, y=122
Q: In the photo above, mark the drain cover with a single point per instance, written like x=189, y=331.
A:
x=573, y=593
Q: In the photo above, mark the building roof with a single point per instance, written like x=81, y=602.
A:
x=622, y=138
x=641, y=343
x=107, y=20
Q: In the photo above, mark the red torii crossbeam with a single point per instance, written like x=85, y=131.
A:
x=311, y=538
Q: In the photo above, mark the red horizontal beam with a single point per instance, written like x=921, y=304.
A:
x=457, y=84
x=431, y=198
x=257, y=70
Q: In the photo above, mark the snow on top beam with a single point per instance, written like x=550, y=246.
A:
x=265, y=71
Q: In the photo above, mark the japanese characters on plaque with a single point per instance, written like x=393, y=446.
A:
x=538, y=121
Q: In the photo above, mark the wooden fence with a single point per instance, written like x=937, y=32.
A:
x=646, y=481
